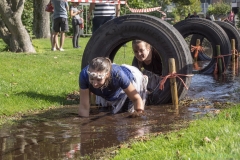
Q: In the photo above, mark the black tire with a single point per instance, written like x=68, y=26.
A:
x=162, y=36
x=231, y=32
x=212, y=32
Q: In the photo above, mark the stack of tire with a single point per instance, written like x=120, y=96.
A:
x=168, y=40
x=216, y=32
x=108, y=39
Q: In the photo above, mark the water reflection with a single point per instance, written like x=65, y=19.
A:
x=72, y=137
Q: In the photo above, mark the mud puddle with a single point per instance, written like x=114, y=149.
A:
x=70, y=137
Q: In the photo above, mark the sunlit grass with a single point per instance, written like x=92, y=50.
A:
x=213, y=137
x=38, y=81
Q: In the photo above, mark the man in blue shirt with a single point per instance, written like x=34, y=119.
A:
x=60, y=17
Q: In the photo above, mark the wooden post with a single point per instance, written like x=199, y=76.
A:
x=219, y=59
x=237, y=63
x=198, y=42
x=233, y=55
x=233, y=49
x=173, y=84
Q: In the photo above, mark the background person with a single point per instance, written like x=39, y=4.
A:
x=76, y=21
x=194, y=15
x=188, y=16
x=113, y=84
x=231, y=18
x=60, y=16
x=102, y=13
x=56, y=46
x=147, y=59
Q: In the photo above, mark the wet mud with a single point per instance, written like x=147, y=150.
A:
x=61, y=134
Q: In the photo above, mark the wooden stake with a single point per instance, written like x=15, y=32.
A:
x=233, y=49
x=233, y=56
x=173, y=84
x=198, y=42
x=219, y=59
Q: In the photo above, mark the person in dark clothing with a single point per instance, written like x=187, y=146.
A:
x=147, y=60
x=188, y=16
x=102, y=13
x=194, y=15
x=208, y=17
x=146, y=57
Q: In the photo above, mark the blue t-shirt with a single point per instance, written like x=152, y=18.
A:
x=60, y=8
x=120, y=79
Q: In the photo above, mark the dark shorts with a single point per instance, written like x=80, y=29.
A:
x=60, y=24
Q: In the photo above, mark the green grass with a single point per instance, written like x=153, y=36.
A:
x=191, y=143
x=38, y=81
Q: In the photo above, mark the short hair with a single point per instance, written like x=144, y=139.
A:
x=137, y=41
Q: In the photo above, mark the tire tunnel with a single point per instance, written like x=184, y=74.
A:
x=213, y=33
x=231, y=32
x=108, y=39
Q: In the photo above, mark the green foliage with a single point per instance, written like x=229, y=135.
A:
x=238, y=23
x=27, y=16
x=181, y=11
x=219, y=8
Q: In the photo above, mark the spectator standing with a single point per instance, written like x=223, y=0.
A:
x=102, y=12
x=52, y=35
x=231, y=18
x=76, y=21
x=60, y=16
x=194, y=15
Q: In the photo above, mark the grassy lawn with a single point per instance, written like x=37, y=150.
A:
x=215, y=137
x=30, y=82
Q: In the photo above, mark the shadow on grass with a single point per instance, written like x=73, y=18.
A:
x=50, y=98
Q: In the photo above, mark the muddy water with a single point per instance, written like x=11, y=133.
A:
x=71, y=137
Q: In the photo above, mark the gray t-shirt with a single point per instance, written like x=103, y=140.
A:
x=74, y=9
x=60, y=8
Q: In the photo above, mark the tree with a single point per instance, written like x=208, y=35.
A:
x=41, y=21
x=219, y=8
x=12, y=31
x=181, y=10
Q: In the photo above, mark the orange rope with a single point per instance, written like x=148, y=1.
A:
x=222, y=57
x=71, y=152
x=173, y=75
x=196, y=49
x=235, y=52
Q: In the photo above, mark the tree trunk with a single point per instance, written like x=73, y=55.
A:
x=4, y=33
x=41, y=21
x=11, y=26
